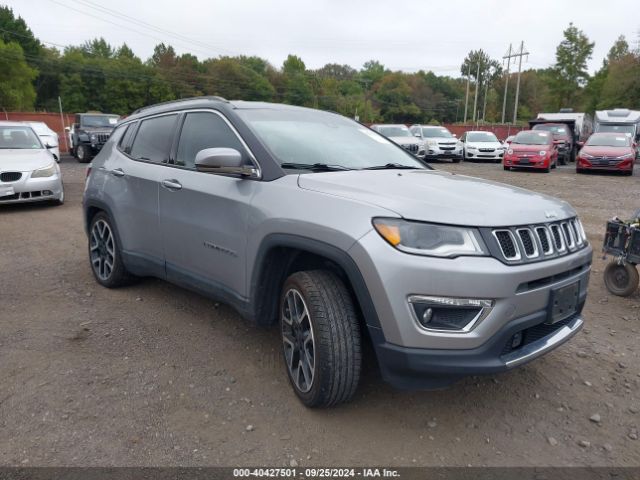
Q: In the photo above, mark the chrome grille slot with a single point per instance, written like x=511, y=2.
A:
x=508, y=244
x=558, y=239
x=576, y=231
x=568, y=235
x=528, y=242
x=545, y=240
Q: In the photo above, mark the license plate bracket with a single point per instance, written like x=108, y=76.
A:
x=563, y=302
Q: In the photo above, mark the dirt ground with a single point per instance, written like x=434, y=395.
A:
x=156, y=375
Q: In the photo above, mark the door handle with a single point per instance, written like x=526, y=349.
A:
x=117, y=172
x=171, y=184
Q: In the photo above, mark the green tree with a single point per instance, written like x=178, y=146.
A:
x=393, y=95
x=571, y=66
x=16, y=77
x=298, y=89
x=14, y=29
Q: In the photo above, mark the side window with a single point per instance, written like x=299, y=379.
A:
x=125, y=140
x=205, y=130
x=154, y=138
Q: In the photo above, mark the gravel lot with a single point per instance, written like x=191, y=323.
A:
x=155, y=375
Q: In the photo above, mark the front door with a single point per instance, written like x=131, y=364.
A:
x=203, y=216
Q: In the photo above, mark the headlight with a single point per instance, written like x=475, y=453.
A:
x=471, y=147
x=429, y=239
x=628, y=155
x=510, y=151
x=48, y=171
x=93, y=138
x=432, y=143
x=459, y=145
x=543, y=152
x=585, y=155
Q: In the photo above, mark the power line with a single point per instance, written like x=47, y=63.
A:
x=521, y=53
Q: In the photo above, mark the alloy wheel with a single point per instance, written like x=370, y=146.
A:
x=102, y=249
x=298, y=340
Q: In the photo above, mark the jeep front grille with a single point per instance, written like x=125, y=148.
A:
x=413, y=148
x=538, y=242
x=102, y=137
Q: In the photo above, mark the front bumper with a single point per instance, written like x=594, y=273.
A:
x=415, y=369
x=521, y=295
x=625, y=165
x=478, y=155
x=27, y=189
x=533, y=162
x=435, y=152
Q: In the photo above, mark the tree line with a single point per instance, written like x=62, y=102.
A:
x=99, y=76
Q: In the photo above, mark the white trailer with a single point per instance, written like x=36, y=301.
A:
x=619, y=120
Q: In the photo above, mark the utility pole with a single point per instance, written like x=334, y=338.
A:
x=466, y=101
x=475, y=101
x=64, y=134
x=520, y=54
x=506, y=83
x=486, y=92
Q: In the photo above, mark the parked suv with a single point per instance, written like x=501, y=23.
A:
x=440, y=143
x=401, y=135
x=89, y=133
x=309, y=220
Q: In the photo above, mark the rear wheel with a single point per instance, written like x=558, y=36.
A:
x=105, y=254
x=320, y=338
x=621, y=280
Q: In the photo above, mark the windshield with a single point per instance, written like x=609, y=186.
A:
x=481, y=137
x=555, y=129
x=92, y=121
x=608, y=140
x=19, y=138
x=308, y=137
x=624, y=129
x=394, y=131
x=531, y=138
x=436, y=133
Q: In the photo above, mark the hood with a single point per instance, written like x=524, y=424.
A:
x=606, y=151
x=484, y=144
x=405, y=140
x=24, y=160
x=519, y=147
x=440, y=197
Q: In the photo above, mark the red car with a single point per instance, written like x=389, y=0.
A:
x=561, y=138
x=532, y=149
x=607, y=151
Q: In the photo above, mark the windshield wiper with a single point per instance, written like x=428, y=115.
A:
x=314, y=167
x=392, y=166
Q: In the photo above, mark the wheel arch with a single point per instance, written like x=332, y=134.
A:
x=280, y=255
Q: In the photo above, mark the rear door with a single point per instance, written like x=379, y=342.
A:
x=135, y=173
x=203, y=216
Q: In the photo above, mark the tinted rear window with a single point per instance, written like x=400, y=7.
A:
x=154, y=138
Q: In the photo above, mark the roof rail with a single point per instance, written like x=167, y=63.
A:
x=204, y=97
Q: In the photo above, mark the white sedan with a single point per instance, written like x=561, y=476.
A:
x=48, y=137
x=481, y=145
x=28, y=170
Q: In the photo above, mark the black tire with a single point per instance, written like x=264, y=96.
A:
x=621, y=280
x=629, y=173
x=547, y=170
x=83, y=153
x=580, y=170
x=572, y=155
x=456, y=160
x=334, y=333
x=117, y=275
x=507, y=168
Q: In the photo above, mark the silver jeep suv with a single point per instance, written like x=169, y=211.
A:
x=311, y=221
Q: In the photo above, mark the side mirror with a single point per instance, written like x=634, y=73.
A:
x=223, y=160
x=67, y=129
x=417, y=134
x=48, y=146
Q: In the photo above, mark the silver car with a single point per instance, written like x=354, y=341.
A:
x=28, y=170
x=439, y=142
x=401, y=135
x=310, y=221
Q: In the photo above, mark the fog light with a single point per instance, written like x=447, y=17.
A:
x=449, y=314
x=47, y=192
x=516, y=340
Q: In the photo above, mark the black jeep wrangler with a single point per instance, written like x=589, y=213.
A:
x=89, y=133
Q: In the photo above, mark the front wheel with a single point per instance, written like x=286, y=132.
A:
x=621, y=280
x=83, y=154
x=456, y=160
x=320, y=338
x=507, y=168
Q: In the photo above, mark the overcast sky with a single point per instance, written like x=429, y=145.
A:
x=404, y=35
